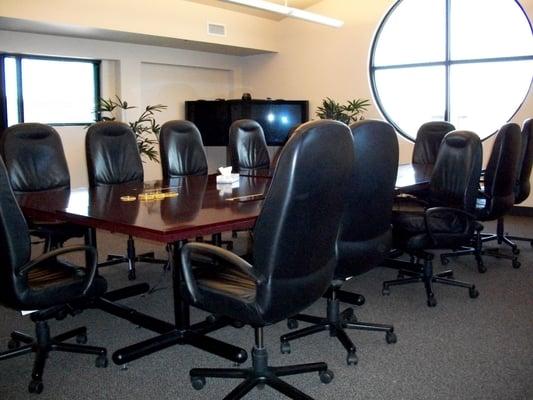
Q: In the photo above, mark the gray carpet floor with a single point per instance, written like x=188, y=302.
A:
x=475, y=349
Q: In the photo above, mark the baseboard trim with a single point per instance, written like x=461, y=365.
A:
x=522, y=211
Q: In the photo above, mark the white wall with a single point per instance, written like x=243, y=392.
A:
x=133, y=72
x=315, y=62
x=168, y=19
x=172, y=85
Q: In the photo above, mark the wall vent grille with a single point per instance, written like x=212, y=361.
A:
x=216, y=29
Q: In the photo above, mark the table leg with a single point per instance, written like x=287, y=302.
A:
x=90, y=240
x=182, y=316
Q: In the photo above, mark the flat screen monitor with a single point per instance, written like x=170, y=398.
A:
x=276, y=117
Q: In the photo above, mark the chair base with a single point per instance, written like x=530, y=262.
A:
x=44, y=344
x=336, y=323
x=131, y=258
x=477, y=250
x=520, y=239
x=416, y=272
x=261, y=374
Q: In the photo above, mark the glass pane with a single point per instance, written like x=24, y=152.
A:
x=486, y=29
x=412, y=96
x=485, y=96
x=58, y=91
x=10, y=68
x=414, y=32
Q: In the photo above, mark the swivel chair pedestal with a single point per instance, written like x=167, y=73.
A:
x=336, y=323
x=261, y=374
x=417, y=272
x=43, y=344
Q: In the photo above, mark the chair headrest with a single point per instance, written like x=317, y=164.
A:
x=32, y=131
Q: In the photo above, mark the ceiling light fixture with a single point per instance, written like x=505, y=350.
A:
x=289, y=11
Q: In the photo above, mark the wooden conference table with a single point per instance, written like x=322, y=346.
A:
x=201, y=208
x=409, y=175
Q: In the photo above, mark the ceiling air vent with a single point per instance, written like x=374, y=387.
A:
x=216, y=29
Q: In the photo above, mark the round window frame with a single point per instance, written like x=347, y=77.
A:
x=446, y=63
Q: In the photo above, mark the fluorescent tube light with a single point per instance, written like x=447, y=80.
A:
x=312, y=17
x=289, y=11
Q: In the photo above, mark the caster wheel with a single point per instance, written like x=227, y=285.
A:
x=81, y=339
x=481, y=268
x=516, y=264
x=237, y=324
x=13, y=344
x=292, y=323
x=101, y=361
x=444, y=260
x=211, y=319
x=326, y=376
x=385, y=291
x=516, y=251
x=131, y=275
x=432, y=302
x=35, y=387
x=391, y=338
x=198, y=382
x=285, y=348
x=348, y=315
x=351, y=359
x=360, y=300
x=473, y=293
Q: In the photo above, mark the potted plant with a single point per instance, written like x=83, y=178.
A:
x=347, y=113
x=145, y=127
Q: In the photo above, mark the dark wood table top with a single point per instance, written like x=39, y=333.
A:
x=200, y=208
x=413, y=176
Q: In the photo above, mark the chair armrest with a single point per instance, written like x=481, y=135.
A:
x=468, y=217
x=91, y=267
x=211, y=251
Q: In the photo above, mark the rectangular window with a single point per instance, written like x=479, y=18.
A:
x=49, y=90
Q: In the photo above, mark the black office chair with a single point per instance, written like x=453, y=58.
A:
x=427, y=144
x=113, y=158
x=498, y=196
x=35, y=160
x=247, y=146
x=365, y=236
x=447, y=222
x=428, y=140
x=293, y=254
x=523, y=186
x=181, y=150
x=182, y=154
x=44, y=284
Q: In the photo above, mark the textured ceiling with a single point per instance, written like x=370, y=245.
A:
x=251, y=11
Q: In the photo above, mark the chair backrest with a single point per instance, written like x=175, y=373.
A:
x=455, y=177
x=34, y=158
x=428, y=140
x=295, y=234
x=247, y=146
x=15, y=249
x=365, y=233
x=523, y=186
x=112, y=154
x=181, y=150
x=501, y=172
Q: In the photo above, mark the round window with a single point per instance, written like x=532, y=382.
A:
x=469, y=62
